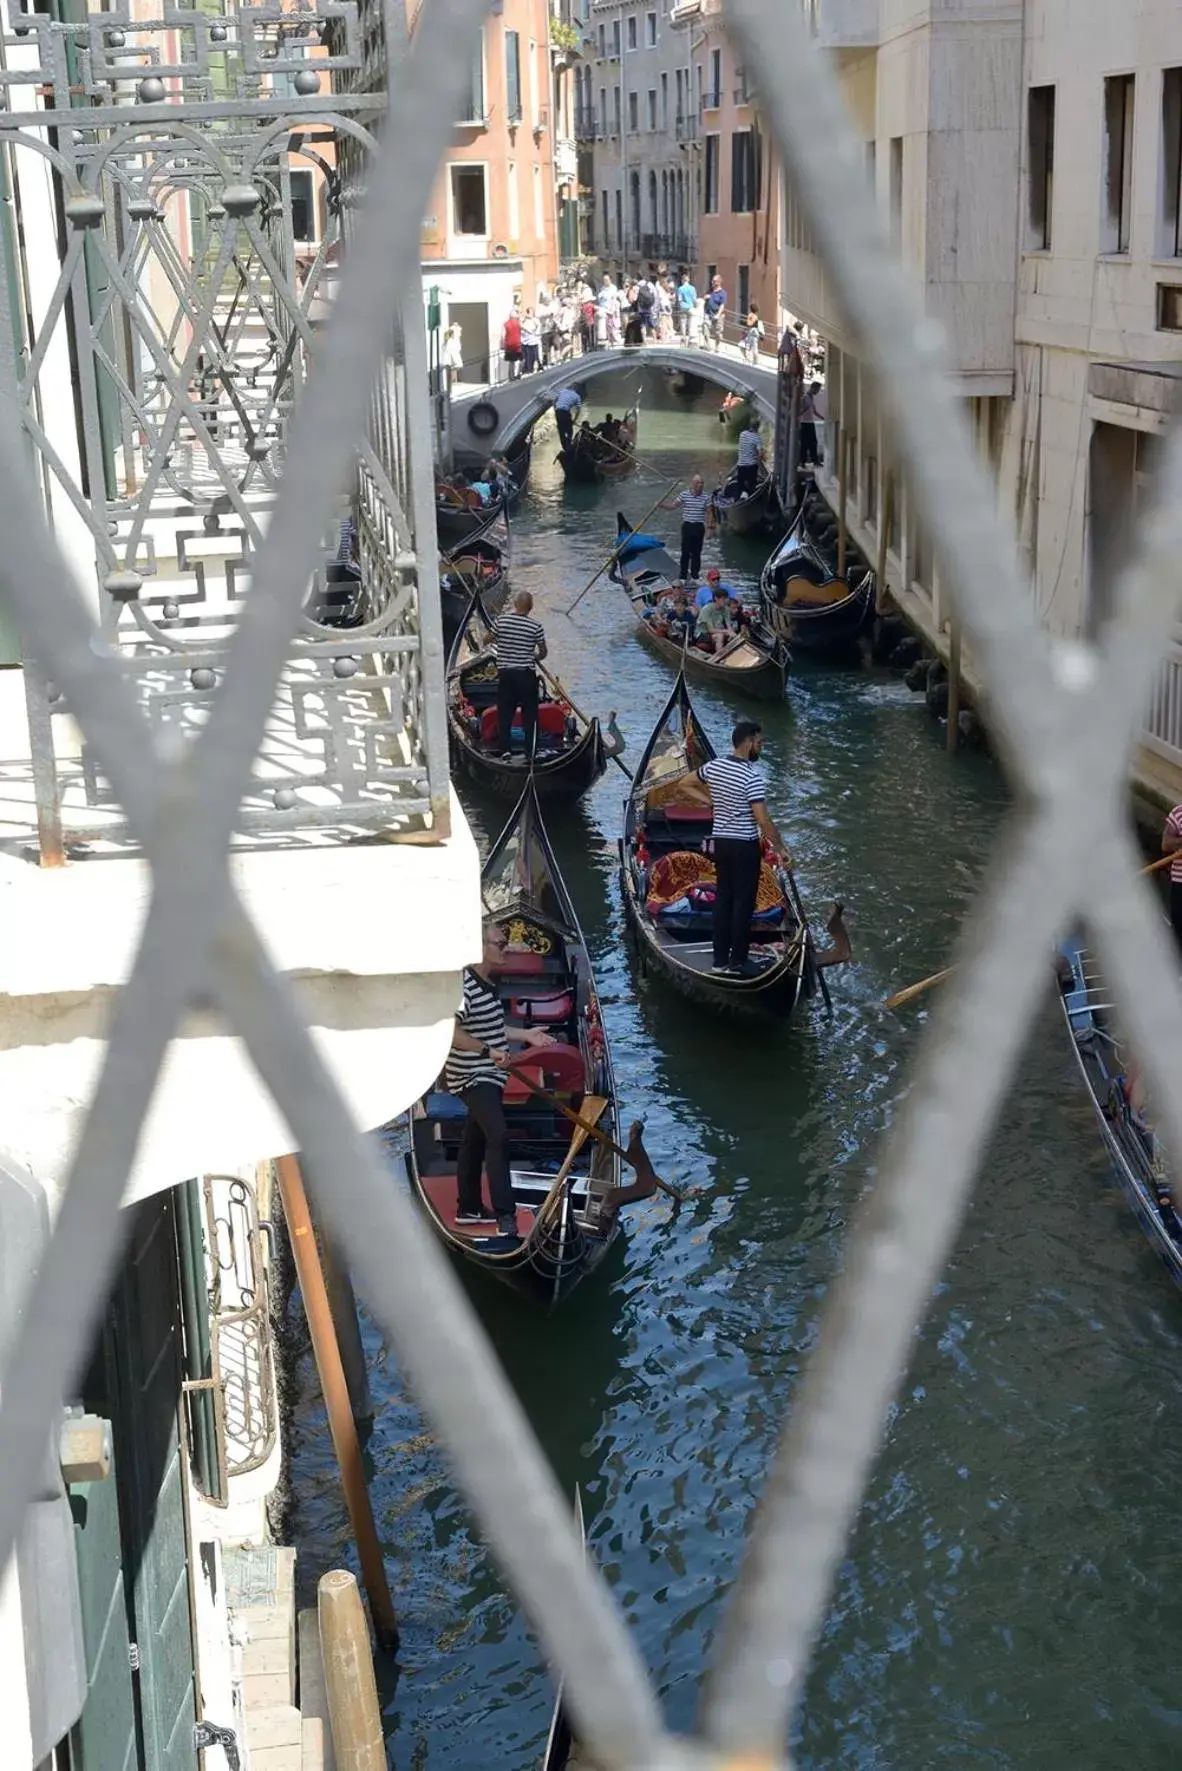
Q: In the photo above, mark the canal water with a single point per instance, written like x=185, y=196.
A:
x=1011, y=1598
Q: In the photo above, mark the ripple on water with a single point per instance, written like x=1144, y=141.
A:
x=1011, y=1583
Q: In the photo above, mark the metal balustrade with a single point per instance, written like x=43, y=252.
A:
x=1064, y=716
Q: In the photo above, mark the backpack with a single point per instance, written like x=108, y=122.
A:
x=646, y=296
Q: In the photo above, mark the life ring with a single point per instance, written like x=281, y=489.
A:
x=483, y=419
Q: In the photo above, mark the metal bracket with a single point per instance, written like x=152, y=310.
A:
x=210, y=1734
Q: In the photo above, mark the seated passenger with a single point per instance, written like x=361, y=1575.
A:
x=706, y=591
x=677, y=614
x=717, y=622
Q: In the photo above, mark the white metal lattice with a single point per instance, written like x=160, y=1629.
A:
x=1064, y=716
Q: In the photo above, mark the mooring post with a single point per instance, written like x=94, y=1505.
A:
x=953, y=681
x=354, y=1714
x=336, y=1400
x=342, y=1302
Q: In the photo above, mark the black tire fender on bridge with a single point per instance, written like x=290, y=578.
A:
x=483, y=419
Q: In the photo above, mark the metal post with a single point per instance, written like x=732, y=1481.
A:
x=354, y=1715
x=343, y=1304
x=953, y=682
x=886, y=516
x=336, y=1400
x=842, y=487
x=198, y=1353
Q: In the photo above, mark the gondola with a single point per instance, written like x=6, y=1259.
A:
x=570, y=755
x=756, y=513
x=481, y=563
x=592, y=457
x=568, y=1194
x=518, y=464
x=802, y=595
x=560, y=1743
x=754, y=663
x=1134, y=1150
x=667, y=884
x=456, y=523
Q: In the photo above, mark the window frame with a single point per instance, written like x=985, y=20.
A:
x=513, y=114
x=711, y=162
x=454, y=229
x=1169, y=205
x=745, y=172
x=1117, y=160
x=1040, y=167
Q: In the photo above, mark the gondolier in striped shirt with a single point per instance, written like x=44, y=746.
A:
x=518, y=641
x=697, y=515
x=738, y=792
x=1171, y=844
x=475, y=1071
x=749, y=459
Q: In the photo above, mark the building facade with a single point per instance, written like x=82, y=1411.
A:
x=490, y=237
x=157, y=327
x=736, y=184
x=1027, y=160
x=636, y=112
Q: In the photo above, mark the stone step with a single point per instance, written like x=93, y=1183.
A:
x=313, y=1697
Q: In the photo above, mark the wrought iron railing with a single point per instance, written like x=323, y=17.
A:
x=1064, y=716
x=192, y=321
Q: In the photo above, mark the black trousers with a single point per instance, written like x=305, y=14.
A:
x=565, y=420
x=746, y=478
x=692, y=537
x=736, y=867
x=484, y=1145
x=808, y=444
x=1176, y=909
x=517, y=688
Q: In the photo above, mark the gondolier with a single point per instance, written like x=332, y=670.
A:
x=697, y=515
x=749, y=459
x=568, y=402
x=518, y=642
x=475, y=1071
x=738, y=793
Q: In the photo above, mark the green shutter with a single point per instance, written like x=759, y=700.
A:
x=104, y=1737
x=146, y=1323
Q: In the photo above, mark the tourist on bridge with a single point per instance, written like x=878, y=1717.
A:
x=749, y=459
x=811, y=410
x=715, y=313
x=1171, y=844
x=607, y=314
x=475, y=1072
x=511, y=345
x=568, y=403
x=753, y=332
x=697, y=514
x=518, y=641
x=646, y=305
x=666, y=295
x=738, y=790
x=453, y=351
x=687, y=304
x=531, y=343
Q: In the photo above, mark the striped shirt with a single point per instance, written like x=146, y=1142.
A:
x=735, y=786
x=516, y=639
x=1174, y=828
x=693, y=506
x=482, y=1016
x=750, y=448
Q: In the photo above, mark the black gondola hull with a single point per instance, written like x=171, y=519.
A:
x=566, y=776
x=763, y=682
x=773, y=995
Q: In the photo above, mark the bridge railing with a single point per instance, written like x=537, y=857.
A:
x=1063, y=717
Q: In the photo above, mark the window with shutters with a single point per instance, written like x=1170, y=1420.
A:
x=634, y=111
x=1169, y=243
x=744, y=172
x=632, y=39
x=474, y=111
x=513, y=76
x=1040, y=172
x=650, y=29
x=1116, y=218
x=710, y=185
x=652, y=107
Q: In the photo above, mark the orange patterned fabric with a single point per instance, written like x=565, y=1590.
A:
x=674, y=874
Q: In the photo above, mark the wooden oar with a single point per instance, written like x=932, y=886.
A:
x=558, y=688
x=787, y=877
x=617, y=550
x=913, y=990
x=594, y=1107
x=601, y=1137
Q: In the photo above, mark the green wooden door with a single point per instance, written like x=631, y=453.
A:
x=146, y=1331
x=104, y=1738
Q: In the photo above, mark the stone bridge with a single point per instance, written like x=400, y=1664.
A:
x=504, y=411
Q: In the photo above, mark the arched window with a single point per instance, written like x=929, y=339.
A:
x=654, y=217
x=664, y=202
x=634, y=208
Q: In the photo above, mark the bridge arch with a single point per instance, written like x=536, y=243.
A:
x=519, y=404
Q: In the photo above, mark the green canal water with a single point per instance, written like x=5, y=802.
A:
x=1011, y=1597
